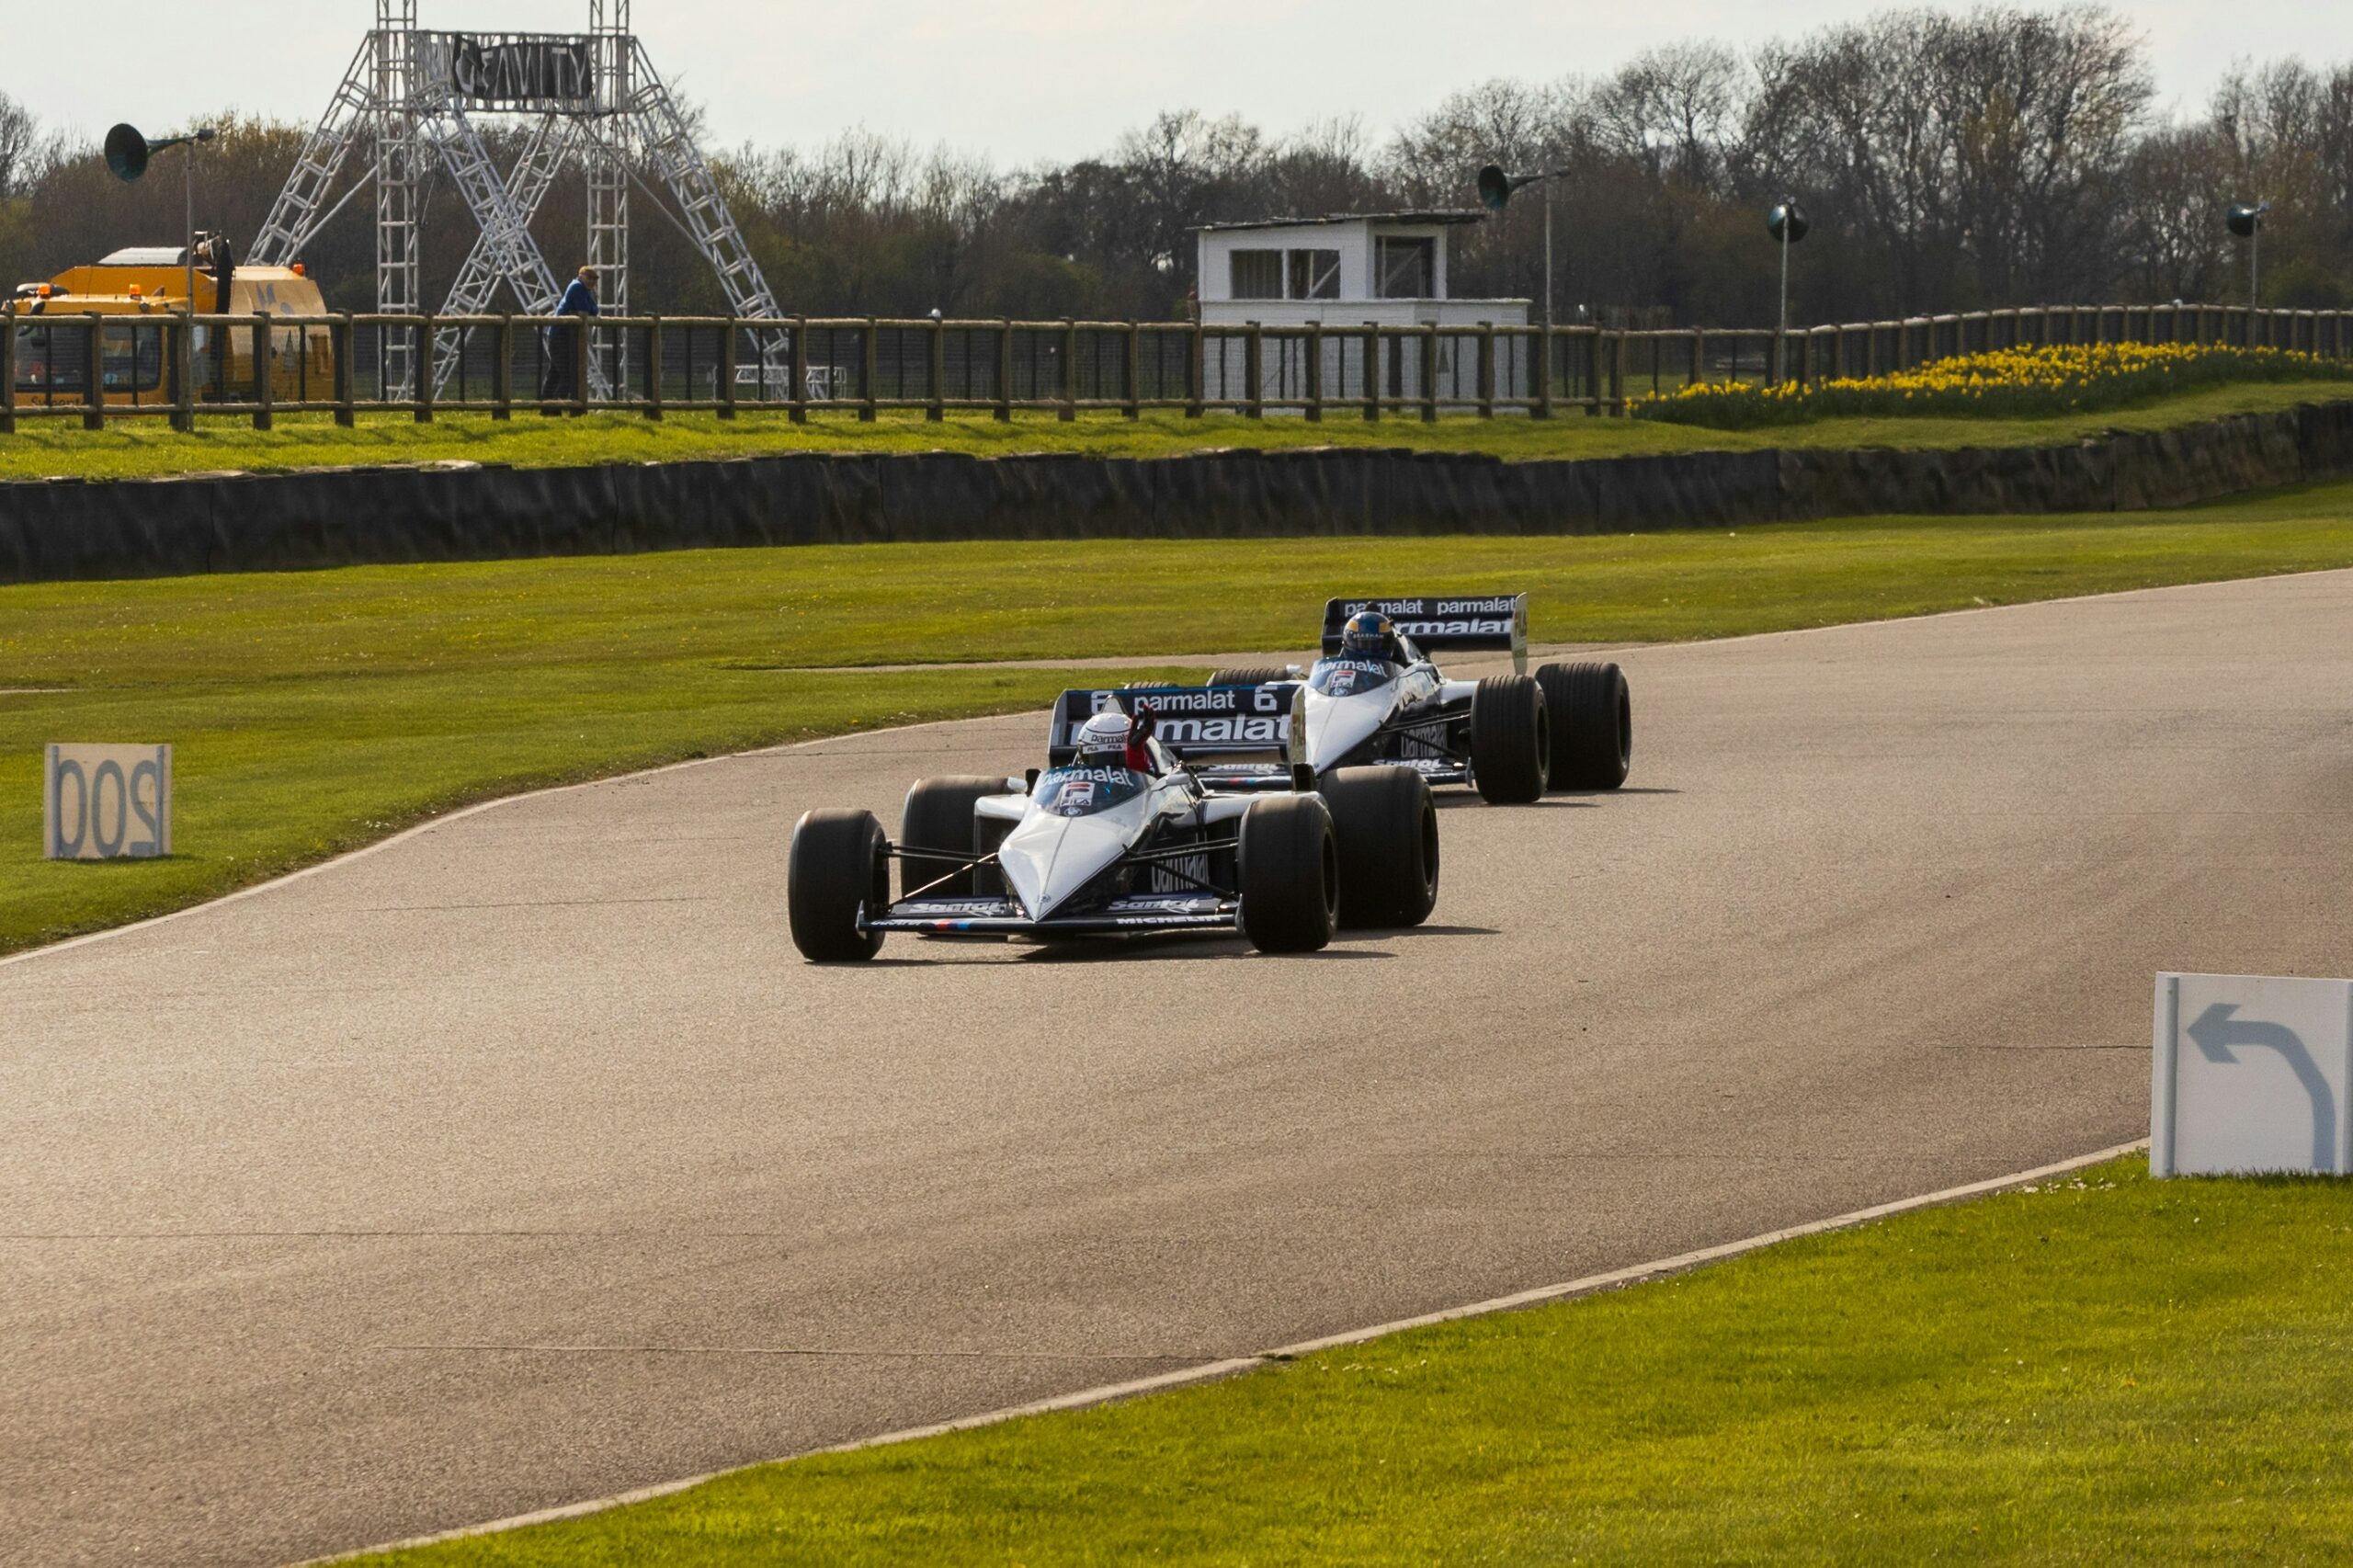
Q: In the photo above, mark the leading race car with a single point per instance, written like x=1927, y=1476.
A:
x=1376, y=697
x=1119, y=835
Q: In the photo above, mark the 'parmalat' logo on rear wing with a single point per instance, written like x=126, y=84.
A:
x=1497, y=624
x=1196, y=721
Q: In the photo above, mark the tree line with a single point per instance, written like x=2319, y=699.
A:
x=2007, y=157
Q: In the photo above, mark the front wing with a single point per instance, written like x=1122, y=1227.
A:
x=1131, y=914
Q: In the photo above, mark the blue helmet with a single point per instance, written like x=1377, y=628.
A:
x=1370, y=635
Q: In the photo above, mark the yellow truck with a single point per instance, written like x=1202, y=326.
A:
x=134, y=291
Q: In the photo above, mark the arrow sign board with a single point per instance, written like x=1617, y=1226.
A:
x=2251, y=1074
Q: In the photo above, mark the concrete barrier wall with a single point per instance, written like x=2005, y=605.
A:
x=56, y=531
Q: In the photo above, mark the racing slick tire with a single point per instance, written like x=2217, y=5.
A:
x=1250, y=675
x=1386, y=826
x=938, y=815
x=1511, y=741
x=837, y=863
x=1290, y=874
x=1593, y=725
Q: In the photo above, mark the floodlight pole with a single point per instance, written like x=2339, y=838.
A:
x=1782, y=342
x=1548, y=275
x=2254, y=268
x=188, y=249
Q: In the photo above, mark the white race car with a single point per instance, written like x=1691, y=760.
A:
x=1376, y=697
x=1121, y=836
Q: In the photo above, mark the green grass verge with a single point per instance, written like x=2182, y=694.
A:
x=315, y=711
x=2106, y=1370
x=132, y=449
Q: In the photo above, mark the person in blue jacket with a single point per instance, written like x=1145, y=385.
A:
x=557, y=382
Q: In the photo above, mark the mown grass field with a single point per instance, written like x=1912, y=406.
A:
x=313, y=712
x=60, y=447
x=2104, y=1369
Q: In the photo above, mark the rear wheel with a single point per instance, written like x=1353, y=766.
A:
x=1290, y=874
x=1251, y=675
x=1386, y=826
x=838, y=862
x=1511, y=741
x=1593, y=725
x=938, y=815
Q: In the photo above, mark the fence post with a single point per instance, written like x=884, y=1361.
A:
x=1372, y=372
x=93, y=391
x=425, y=372
x=1004, y=372
x=1618, y=373
x=1254, y=362
x=1135, y=370
x=869, y=371
x=1069, y=413
x=184, y=394
x=502, y=367
x=8, y=372
x=730, y=350
x=1316, y=372
x=938, y=409
x=1486, y=369
x=1544, y=371
x=581, y=351
x=264, y=391
x=798, y=372
x=1429, y=374
x=339, y=345
x=1198, y=367
x=654, y=369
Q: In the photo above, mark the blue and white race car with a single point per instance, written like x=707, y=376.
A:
x=1122, y=834
x=1376, y=697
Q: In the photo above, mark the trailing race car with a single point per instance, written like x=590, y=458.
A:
x=1377, y=698
x=1119, y=835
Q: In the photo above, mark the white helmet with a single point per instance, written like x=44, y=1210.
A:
x=1105, y=731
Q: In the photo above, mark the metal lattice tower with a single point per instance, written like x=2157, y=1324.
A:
x=408, y=107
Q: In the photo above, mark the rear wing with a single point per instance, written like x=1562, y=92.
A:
x=1494, y=625
x=1196, y=722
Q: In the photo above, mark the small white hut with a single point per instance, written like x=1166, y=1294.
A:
x=1388, y=269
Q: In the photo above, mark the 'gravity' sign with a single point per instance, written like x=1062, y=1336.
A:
x=508, y=70
x=107, y=802
x=2251, y=1074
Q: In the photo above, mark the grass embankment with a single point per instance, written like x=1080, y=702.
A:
x=2107, y=1369
x=126, y=449
x=316, y=712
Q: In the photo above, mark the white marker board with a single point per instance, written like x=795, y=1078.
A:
x=106, y=802
x=2251, y=1073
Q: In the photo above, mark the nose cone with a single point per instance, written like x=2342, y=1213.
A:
x=1047, y=859
x=1338, y=725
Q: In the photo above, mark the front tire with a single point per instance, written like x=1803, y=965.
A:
x=1386, y=826
x=1290, y=874
x=838, y=863
x=938, y=815
x=1593, y=725
x=1250, y=675
x=1511, y=741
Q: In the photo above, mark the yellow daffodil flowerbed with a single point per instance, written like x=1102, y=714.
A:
x=2006, y=384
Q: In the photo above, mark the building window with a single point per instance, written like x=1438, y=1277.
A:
x=1408, y=269
x=1257, y=274
x=1315, y=274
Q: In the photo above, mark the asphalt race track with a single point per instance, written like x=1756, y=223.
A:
x=523, y=1161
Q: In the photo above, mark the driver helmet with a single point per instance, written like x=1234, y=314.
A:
x=1370, y=635
x=1103, y=739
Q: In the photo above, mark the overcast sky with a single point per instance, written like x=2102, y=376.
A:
x=1038, y=80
